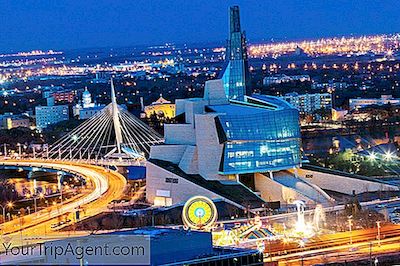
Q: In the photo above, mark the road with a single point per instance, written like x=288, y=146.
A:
x=107, y=185
x=327, y=248
x=336, y=247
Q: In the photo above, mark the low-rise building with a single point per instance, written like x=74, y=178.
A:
x=48, y=115
x=152, y=246
x=47, y=91
x=64, y=96
x=363, y=102
x=58, y=93
x=86, y=113
x=181, y=247
x=161, y=107
x=309, y=103
x=330, y=85
x=9, y=120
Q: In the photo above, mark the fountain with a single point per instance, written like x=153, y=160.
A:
x=300, y=224
x=302, y=228
x=319, y=216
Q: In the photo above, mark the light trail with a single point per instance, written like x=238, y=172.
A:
x=107, y=185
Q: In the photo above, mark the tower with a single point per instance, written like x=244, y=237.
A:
x=87, y=99
x=116, y=118
x=236, y=71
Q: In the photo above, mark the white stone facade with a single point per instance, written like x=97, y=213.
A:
x=197, y=138
x=167, y=188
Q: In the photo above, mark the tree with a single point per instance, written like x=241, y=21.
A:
x=7, y=192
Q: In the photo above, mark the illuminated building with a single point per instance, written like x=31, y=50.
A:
x=220, y=145
x=48, y=115
x=331, y=85
x=363, y=102
x=9, y=120
x=309, y=103
x=64, y=96
x=236, y=71
x=87, y=99
x=339, y=114
x=87, y=108
x=58, y=93
x=161, y=107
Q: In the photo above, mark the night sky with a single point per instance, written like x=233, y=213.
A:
x=68, y=24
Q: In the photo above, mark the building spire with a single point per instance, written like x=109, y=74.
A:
x=236, y=71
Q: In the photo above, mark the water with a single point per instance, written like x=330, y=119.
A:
x=300, y=224
x=321, y=143
x=319, y=217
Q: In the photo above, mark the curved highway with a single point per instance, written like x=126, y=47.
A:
x=107, y=185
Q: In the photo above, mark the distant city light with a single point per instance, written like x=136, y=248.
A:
x=344, y=45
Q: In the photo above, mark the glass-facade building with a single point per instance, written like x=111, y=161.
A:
x=236, y=71
x=257, y=139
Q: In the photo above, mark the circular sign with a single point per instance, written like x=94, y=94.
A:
x=199, y=213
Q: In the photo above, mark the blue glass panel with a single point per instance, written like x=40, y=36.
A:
x=268, y=125
x=265, y=141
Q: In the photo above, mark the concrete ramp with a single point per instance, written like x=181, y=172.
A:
x=342, y=182
x=303, y=187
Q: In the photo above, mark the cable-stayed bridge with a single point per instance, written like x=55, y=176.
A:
x=113, y=135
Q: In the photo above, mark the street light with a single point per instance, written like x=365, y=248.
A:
x=20, y=225
x=35, y=195
x=5, y=149
x=372, y=156
x=59, y=184
x=9, y=205
x=378, y=223
x=350, y=221
x=19, y=149
x=389, y=156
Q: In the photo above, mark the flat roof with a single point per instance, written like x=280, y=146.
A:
x=237, y=109
x=278, y=102
x=156, y=232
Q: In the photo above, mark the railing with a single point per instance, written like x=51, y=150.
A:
x=101, y=162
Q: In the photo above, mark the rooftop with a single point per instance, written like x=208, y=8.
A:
x=272, y=100
x=179, y=247
x=236, y=109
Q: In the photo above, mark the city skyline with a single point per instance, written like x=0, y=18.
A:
x=200, y=133
x=69, y=25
